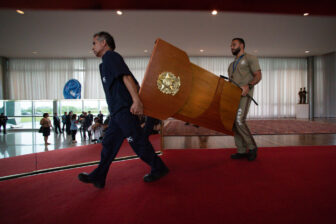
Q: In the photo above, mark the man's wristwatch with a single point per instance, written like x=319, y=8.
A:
x=250, y=86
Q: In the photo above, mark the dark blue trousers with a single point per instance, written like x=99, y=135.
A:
x=149, y=125
x=125, y=125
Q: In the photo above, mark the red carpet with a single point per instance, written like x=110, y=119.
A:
x=284, y=185
x=258, y=127
x=63, y=157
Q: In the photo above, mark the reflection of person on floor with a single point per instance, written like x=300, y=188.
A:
x=73, y=127
x=124, y=105
x=246, y=72
x=4, y=146
x=3, y=122
x=97, y=130
x=203, y=141
x=45, y=127
x=57, y=124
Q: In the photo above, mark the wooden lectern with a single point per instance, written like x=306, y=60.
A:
x=175, y=87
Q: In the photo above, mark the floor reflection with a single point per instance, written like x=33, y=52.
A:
x=213, y=142
x=26, y=142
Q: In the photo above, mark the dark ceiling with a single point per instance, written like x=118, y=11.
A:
x=314, y=7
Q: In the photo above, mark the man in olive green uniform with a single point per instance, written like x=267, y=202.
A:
x=245, y=71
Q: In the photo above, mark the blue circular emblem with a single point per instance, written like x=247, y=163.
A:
x=72, y=89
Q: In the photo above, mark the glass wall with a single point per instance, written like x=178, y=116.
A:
x=103, y=107
x=19, y=114
x=26, y=114
x=2, y=107
x=92, y=105
x=76, y=106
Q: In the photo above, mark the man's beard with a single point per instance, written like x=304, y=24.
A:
x=236, y=51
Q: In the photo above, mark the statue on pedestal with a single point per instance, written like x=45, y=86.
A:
x=300, y=96
x=304, y=96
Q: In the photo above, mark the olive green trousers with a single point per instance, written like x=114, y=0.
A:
x=242, y=135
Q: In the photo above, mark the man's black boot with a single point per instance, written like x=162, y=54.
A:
x=252, y=154
x=239, y=156
x=84, y=177
x=153, y=177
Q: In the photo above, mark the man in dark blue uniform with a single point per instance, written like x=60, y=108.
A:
x=121, y=90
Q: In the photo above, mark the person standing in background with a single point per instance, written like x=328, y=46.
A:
x=86, y=125
x=3, y=122
x=68, y=123
x=97, y=130
x=101, y=117
x=57, y=124
x=64, y=120
x=90, y=116
x=73, y=127
x=81, y=120
x=45, y=127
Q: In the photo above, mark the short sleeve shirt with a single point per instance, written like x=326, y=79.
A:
x=243, y=72
x=112, y=69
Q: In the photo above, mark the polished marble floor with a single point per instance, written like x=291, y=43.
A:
x=16, y=143
x=24, y=142
x=197, y=142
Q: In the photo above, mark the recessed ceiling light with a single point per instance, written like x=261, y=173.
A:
x=34, y=52
x=202, y=50
x=214, y=12
x=306, y=14
x=119, y=12
x=307, y=52
x=20, y=11
x=145, y=51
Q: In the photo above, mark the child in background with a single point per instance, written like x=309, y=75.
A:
x=73, y=127
x=97, y=130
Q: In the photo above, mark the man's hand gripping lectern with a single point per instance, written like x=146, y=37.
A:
x=174, y=87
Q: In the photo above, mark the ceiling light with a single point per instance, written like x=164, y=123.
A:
x=119, y=12
x=306, y=14
x=34, y=52
x=214, y=12
x=202, y=50
x=145, y=51
x=20, y=11
x=307, y=52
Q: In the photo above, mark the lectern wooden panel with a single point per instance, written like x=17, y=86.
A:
x=174, y=87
